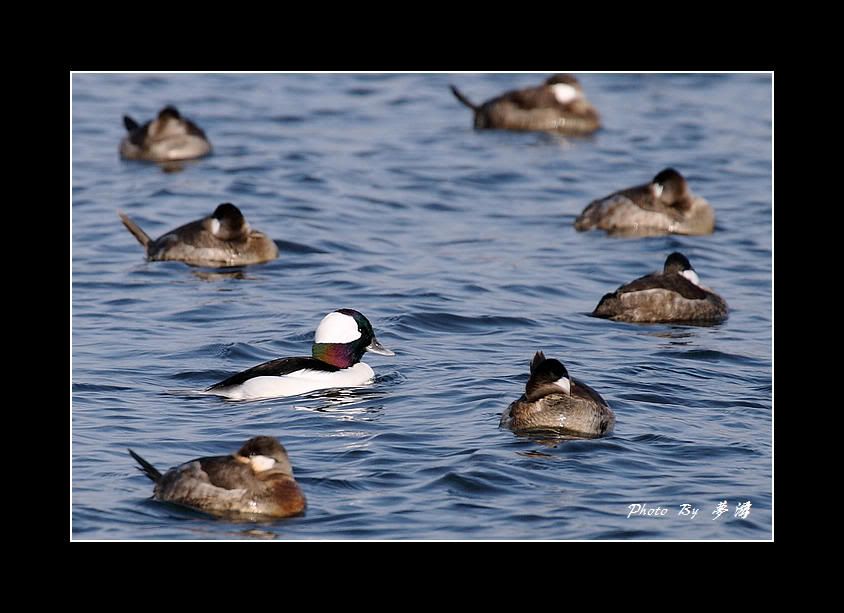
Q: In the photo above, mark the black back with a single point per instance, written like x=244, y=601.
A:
x=275, y=368
x=674, y=282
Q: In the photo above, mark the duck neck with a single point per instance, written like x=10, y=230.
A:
x=341, y=355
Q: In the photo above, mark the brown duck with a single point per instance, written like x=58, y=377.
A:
x=224, y=238
x=558, y=105
x=255, y=480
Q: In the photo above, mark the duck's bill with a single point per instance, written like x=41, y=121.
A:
x=376, y=347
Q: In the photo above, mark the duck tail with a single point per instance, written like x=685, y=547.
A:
x=145, y=467
x=538, y=358
x=608, y=306
x=130, y=124
x=589, y=218
x=135, y=229
x=463, y=98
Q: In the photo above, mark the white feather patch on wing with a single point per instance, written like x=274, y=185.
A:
x=215, y=226
x=657, y=190
x=337, y=328
x=564, y=93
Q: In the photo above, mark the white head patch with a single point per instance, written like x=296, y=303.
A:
x=564, y=93
x=658, y=190
x=691, y=275
x=564, y=384
x=337, y=328
x=260, y=463
x=215, y=226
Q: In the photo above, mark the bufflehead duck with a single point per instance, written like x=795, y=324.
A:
x=663, y=206
x=341, y=339
x=675, y=294
x=166, y=138
x=224, y=238
x=553, y=401
x=255, y=480
x=558, y=105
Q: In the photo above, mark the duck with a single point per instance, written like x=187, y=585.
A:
x=256, y=480
x=673, y=295
x=340, y=341
x=167, y=138
x=222, y=239
x=557, y=105
x=666, y=205
x=555, y=402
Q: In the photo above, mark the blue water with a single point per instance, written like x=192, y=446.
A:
x=458, y=246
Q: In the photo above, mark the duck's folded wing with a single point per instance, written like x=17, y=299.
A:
x=276, y=368
x=534, y=98
x=224, y=472
x=584, y=391
x=671, y=282
x=203, y=483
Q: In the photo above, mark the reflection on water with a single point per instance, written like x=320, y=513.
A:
x=549, y=437
x=343, y=402
x=205, y=275
x=169, y=167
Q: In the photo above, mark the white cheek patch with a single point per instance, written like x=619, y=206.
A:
x=691, y=275
x=564, y=93
x=215, y=226
x=260, y=463
x=337, y=328
x=564, y=384
x=657, y=190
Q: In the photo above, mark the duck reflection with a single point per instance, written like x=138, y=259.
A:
x=217, y=275
x=343, y=403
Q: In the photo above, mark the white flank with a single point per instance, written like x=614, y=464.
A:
x=337, y=328
x=299, y=382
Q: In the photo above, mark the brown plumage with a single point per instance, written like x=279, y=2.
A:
x=666, y=296
x=666, y=205
x=537, y=108
x=224, y=238
x=546, y=406
x=257, y=480
x=166, y=138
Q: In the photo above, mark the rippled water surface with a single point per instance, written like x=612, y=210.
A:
x=459, y=247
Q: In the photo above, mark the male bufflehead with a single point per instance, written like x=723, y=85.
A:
x=224, y=238
x=166, y=138
x=553, y=401
x=558, y=105
x=341, y=339
x=675, y=294
x=666, y=205
x=255, y=480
